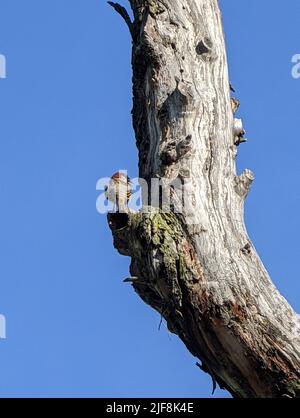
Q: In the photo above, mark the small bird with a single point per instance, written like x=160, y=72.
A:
x=231, y=88
x=235, y=104
x=239, y=132
x=119, y=191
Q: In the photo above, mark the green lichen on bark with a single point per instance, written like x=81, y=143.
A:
x=155, y=8
x=160, y=255
x=292, y=388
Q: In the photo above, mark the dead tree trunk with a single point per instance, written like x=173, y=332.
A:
x=199, y=268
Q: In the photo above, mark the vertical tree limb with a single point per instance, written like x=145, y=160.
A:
x=199, y=269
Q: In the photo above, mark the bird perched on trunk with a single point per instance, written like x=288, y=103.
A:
x=119, y=191
x=235, y=104
x=239, y=132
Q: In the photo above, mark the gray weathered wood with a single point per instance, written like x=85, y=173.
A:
x=200, y=269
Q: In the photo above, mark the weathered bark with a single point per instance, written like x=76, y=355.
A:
x=199, y=269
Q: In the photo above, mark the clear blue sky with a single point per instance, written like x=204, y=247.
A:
x=73, y=327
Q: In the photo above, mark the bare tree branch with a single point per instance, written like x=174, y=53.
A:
x=199, y=268
x=123, y=12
